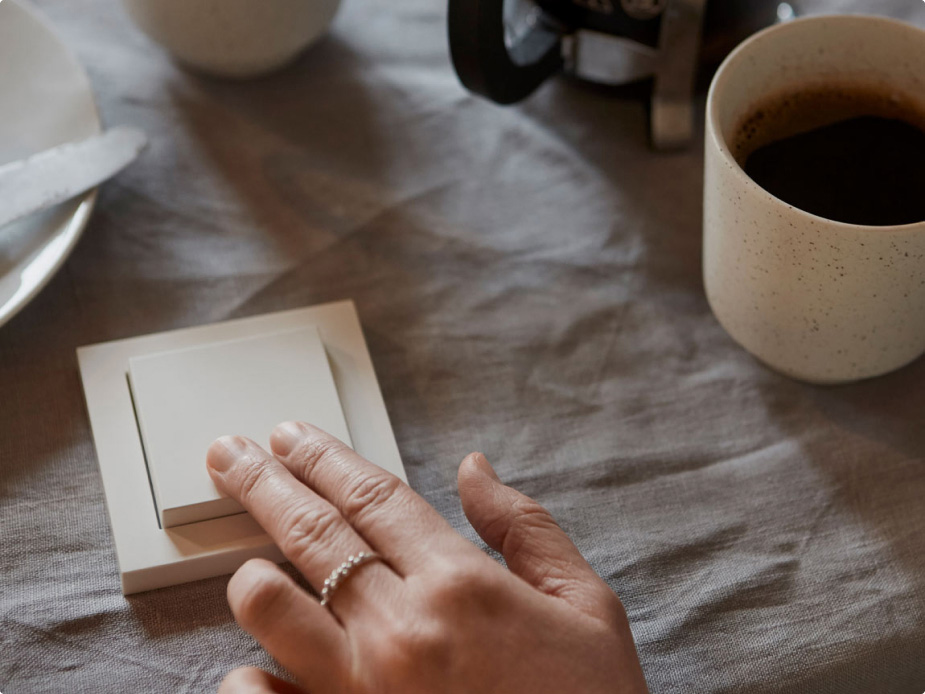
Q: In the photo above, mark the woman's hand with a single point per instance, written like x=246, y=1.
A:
x=436, y=614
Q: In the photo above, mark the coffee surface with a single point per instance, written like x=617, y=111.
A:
x=850, y=156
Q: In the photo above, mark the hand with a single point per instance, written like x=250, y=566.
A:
x=437, y=614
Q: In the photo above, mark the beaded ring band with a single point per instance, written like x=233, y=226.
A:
x=340, y=574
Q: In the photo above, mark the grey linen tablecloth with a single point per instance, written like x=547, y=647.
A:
x=529, y=282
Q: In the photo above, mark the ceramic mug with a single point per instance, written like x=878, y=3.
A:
x=233, y=38
x=818, y=300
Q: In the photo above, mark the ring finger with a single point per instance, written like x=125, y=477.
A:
x=309, y=531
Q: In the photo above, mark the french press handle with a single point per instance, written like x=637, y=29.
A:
x=484, y=61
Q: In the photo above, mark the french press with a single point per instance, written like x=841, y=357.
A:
x=504, y=49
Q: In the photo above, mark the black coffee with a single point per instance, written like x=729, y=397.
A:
x=846, y=155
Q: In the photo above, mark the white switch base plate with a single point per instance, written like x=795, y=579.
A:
x=151, y=557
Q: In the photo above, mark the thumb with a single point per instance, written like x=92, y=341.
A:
x=531, y=542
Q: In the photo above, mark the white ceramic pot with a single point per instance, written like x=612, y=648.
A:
x=234, y=38
x=818, y=300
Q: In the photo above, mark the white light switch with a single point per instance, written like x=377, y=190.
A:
x=185, y=399
x=151, y=556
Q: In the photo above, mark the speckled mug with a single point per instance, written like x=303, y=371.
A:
x=818, y=300
x=233, y=38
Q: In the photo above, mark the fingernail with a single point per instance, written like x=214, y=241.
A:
x=486, y=467
x=225, y=452
x=285, y=437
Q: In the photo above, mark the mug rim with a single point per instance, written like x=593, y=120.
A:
x=712, y=116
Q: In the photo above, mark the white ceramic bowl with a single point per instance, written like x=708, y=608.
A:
x=234, y=38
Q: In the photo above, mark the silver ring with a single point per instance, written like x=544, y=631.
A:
x=340, y=574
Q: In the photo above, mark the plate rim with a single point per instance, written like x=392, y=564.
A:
x=77, y=222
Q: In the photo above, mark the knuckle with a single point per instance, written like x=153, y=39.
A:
x=254, y=592
x=530, y=514
x=253, y=475
x=369, y=493
x=516, y=522
x=304, y=528
x=422, y=641
x=526, y=518
x=313, y=451
x=465, y=586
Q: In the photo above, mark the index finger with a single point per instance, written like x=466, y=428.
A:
x=308, y=529
x=384, y=510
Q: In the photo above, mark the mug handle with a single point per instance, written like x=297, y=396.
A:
x=483, y=61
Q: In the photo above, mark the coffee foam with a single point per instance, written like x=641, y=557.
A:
x=812, y=106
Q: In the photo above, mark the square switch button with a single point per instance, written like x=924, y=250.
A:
x=185, y=399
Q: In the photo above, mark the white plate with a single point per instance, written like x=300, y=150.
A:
x=45, y=100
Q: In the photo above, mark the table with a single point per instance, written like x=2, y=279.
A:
x=529, y=283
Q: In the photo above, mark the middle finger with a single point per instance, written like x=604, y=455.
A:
x=379, y=506
x=309, y=531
